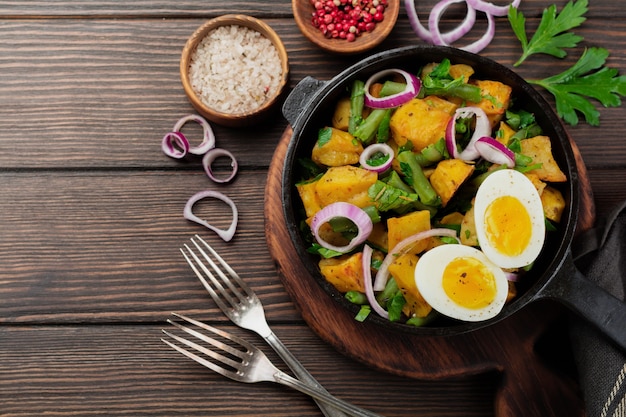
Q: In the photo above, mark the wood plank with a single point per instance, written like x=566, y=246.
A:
x=162, y=8
x=141, y=8
x=105, y=246
x=125, y=87
x=121, y=371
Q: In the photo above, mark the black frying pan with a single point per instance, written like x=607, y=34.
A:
x=554, y=276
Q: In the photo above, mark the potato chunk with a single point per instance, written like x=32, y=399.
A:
x=308, y=195
x=505, y=132
x=553, y=203
x=345, y=183
x=403, y=271
x=468, y=234
x=421, y=121
x=539, y=149
x=336, y=148
x=448, y=177
x=496, y=99
x=341, y=116
x=345, y=272
x=399, y=228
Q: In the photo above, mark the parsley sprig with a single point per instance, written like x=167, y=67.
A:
x=570, y=87
x=552, y=33
x=586, y=79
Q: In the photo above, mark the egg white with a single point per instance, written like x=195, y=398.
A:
x=509, y=182
x=429, y=280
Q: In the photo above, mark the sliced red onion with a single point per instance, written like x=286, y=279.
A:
x=211, y=156
x=175, y=145
x=482, y=128
x=227, y=234
x=437, y=38
x=495, y=152
x=512, y=276
x=369, y=288
x=492, y=9
x=413, y=85
x=373, y=150
x=349, y=211
x=208, y=138
x=382, y=276
x=448, y=37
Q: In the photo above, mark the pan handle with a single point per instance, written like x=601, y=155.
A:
x=606, y=312
x=300, y=97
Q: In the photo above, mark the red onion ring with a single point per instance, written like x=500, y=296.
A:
x=492, y=9
x=351, y=212
x=413, y=85
x=482, y=128
x=448, y=37
x=227, y=234
x=382, y=276
x=175, y=145
x=211, y=156
x=437, y=38
x=372, y=150
x=208, y=138
x=495, y=152
x=369, y=288
x=512, y=276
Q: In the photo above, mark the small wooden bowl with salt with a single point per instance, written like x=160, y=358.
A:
x=234, y=69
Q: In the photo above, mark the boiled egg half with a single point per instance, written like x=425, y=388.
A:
x=459, y=281
x=509, y=218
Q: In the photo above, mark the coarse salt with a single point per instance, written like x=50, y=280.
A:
x=235, y=69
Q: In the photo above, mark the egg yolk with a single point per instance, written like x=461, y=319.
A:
x=507, y=225
x=469, y=283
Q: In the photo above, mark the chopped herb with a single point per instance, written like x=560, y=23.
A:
x=387, y=197
x=317, y=249
x=395, y=305
x=439, y=82
x=323, y=136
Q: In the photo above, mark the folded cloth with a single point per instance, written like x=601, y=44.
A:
x=600, y=254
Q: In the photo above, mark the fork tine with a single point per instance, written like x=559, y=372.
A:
x=202, y=361
x=211, y=277
x=243, y=356
x=233, y=274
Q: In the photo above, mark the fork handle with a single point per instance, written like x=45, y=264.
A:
x=322, y=395
x=300, y=371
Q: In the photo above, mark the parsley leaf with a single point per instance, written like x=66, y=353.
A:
x=552, y=33
x=571, y=87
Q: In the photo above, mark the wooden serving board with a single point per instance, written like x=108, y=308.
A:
x=529, y=387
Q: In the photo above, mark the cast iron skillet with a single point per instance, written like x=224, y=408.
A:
x=554, y=276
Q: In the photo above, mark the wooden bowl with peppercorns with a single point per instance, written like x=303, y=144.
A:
x=346, y=26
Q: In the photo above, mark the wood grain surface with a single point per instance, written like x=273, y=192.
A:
x=91, y=219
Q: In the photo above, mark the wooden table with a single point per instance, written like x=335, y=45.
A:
x=92, y=217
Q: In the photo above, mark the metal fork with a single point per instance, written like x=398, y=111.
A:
x=241, y=305
x=241, y=361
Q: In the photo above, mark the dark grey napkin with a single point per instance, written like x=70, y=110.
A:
x=600, y=254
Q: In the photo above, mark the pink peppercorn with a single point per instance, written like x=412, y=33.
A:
x=346, y=19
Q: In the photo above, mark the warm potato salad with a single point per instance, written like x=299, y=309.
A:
x=429, y=194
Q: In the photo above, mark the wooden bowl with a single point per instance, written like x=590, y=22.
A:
x=302, y=12
x=244, y=118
